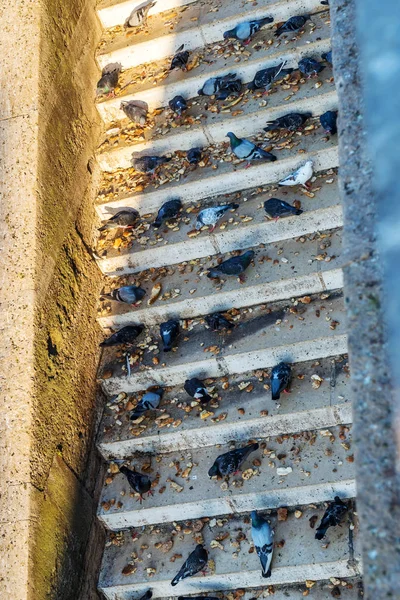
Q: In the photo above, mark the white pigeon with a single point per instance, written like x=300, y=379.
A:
x=138, y=16
x=301, y=176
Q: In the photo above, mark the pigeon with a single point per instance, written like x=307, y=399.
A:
x=233, y=266
x=266, y=77
x=146, y=596
x=180, y=59
x=139, y=14
x=263, y=538
x=169, y=331
x=130, y=294
x=276, y=208
x=109, y=79
x=280, y=376
x=328, y=121
x=291, y=121
x=169, y=210
x=246, y=150
x=148, y=164
x=332, y=517
x=195, y=388
x=245, y=31
x=136, y=111
x=195, y=562
x=230, y=462
x=194, y=155
x=149, y=401
x=217, y=321
x=221, y=85
x=300, y=176
x=211, y=216
x=327, y=56
x=123, y=219
x=310, y=67
x=140, y=483
x=126, y=335
x=292, y=24
x=178, y=105
x=325, y=2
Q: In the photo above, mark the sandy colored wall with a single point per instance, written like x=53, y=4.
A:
x=49, y=338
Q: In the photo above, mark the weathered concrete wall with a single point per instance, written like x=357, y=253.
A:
x=50, y=284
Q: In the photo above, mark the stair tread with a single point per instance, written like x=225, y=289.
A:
x=300, y=556
x=114, y=12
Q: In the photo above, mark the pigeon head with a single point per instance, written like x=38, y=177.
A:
x=256, y=519
x=200, y=92
x=213, y=471
x=229, y=34
x=250, y=254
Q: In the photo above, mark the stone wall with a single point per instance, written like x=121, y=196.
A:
x=50, y=283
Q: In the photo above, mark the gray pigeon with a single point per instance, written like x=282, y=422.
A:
x=123, y=219
x=328, y=121
x=109, y=79
x=169, y=331
x=292, y=24
x=126, y=335
x=221, y=87
x=276, y=208
x=280, y=377
x=217, y=321
x=169, y=210
x=230, y=462
x=136, y=111
x=310, y=67
x=266, y=77
x=139, y=482
x=233, y=266
x=195, y=562
x=149, y=401
x=263, y=538
x=130, y=294
x=291, y=122
x=180, y=59
x=245, y=31
x=178, y=105
x=148, y=164
x=332, y=517
x=211, y=216
x=139, y=14
x=195, y=388
x=246, y=150
x=194, y=155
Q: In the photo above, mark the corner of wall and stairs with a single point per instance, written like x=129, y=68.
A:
x=49, y=404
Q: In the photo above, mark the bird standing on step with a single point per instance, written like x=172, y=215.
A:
x=280, y=377
x=233, y=266
x=291, y=122
x=246, y=150
x=136, y=111
x=149, y=401
x=230, y=462
x=195, y=388
x=333, y=516
x=169, y=210
x=146, y=596
x=195, y=562
x=123, y=219
x=216, y=321
x=310, y=67
x=292, y=24
x=178, y=105
x=221, y=87
x=276, y=208
x=129, y=294
x=138, y=16
x=266, y=77
x=329, y=121
x=139, y=482
x=169, y=331
x=194, y=155
x=148, y=164
x=263, y=538
x=299, y=177
x=211, y=216
x=180, y=59
x=109, y=79
x=327, y=56
x=245, y=31
x=126, y=335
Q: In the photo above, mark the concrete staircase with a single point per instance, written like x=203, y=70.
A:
x=290, y=307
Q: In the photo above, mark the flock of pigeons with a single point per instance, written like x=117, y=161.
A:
x=220, y=87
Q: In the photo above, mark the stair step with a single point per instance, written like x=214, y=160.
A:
x=238, y=413
x=262, y=339
x=245, y=61
x=195, y=26
x=315, y=477
x=301, y=558
x=113, y=13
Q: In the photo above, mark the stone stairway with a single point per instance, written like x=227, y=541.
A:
x=290, y=307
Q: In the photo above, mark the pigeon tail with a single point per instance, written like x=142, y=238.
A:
x=267, y=574
x=321, y=531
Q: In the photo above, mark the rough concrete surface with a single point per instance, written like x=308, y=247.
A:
x=375, y=449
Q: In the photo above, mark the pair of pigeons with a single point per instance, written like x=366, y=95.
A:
x=169, y=331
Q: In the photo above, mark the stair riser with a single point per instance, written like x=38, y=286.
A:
x=112, y=16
